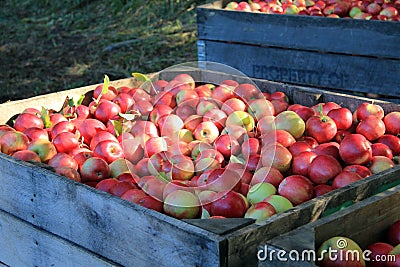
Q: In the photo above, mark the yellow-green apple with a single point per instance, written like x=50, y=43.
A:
x=185, y=135
x=323, y=168
x=260, y=191
x=329, y=252
x=120, y=166
x=259, y=108
x=290, y=121
x=44, y=148
x=229, y=204
x=296, y=188
x=211, y=154
x=206, y=164
x=94, y=169
x=206, y=131
x=267, y=174
x=26, y=155
x=241, y=118
x=182, y=205
x=380, y=163
x=277, y=156
x=13, y=141
x=280, y=203
x=27, y=120
x=355, y=149
x=205, y=105
x=260, y=211
x=174, y=185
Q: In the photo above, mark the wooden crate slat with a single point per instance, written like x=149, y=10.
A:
x=118, y=230
x=27, y=245
x=361, y=74
x=343, y=36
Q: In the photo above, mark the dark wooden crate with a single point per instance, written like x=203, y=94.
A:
x=365, y=222
x=352, y=55
x=131, y=235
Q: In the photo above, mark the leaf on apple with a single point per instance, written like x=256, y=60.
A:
x=106, y=83
x=129, y=116
x=163, y=177
x=140, y=77
x=45, y=118
x=205, y=214
x=118, y=126
x=235, y=159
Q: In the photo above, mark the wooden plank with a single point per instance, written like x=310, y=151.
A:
x=244, y=243
x=376, y=214
x=23, y=244
x=319, y=34
x=351, y=73
x=123, y=232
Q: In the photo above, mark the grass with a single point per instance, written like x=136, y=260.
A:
x=47, y=46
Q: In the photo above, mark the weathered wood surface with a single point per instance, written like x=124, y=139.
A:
x=319, y=34
x=365, y=222
x=308, y=68
x=23, y=244
x=129, y=234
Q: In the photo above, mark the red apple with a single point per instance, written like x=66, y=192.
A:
x=366, y=109
x=44, y=148
x=296, y=188
x=323, y=168
x=227, y=145
x=361, y=170
x=27, y=120
x=342, y=117
x=108, y=150
x=229, y=204
x=392, y=122
x=182, y=204
x=393, y=142
x=378, y=248
x=371, y=127
x=345, y=178
x=95, y=169
x=260, y=211
x=267, y=174
x=13, y=141
x=322, y=189
x=301, y=162
x=355, y=149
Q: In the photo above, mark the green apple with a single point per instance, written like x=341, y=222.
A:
x=240, y=118
x=182, y=205
x=291, y=122
x=120, y=166
x=260, y=191
x=280, y=203
x=44, y=148
x=260, y=211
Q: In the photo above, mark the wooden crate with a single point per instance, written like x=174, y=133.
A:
x=131, y=235
x=347, y=54
x=365, y=222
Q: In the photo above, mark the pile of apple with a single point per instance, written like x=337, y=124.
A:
x=384, y=253
x=206, y=151
x=387, y=10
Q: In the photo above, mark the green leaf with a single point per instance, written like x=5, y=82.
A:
x=235, y=159
x=140, y=77
x=71, y=102
x=205, y=214
x=117, y=126
x=106, y=83
x=163, y=177
x=129, y=116
x=45, y=118
x=80, y=100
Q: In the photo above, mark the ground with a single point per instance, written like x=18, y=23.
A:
x=47, y=46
